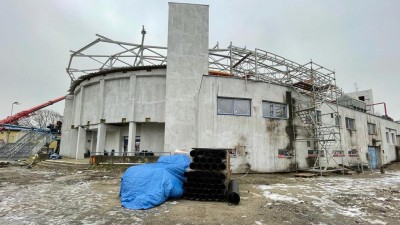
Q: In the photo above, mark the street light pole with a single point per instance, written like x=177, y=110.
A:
x=12, y=107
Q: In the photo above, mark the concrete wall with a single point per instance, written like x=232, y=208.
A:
x=132, y=96
x=152, y=137
x=150, y=99
x=116, y=98
x=187, y=62
x=66, y=128
x=256, y=138
x=368, y=98
x=360, y=140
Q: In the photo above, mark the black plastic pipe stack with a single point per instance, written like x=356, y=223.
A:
x=206, y=181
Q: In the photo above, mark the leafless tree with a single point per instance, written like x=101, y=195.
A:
x=41, y=119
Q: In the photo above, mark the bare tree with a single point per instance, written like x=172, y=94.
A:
x=41, y=119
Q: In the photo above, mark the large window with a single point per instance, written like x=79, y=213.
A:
x=371, y=128
x=350, y=124
x=274, y=110
x=234, y=106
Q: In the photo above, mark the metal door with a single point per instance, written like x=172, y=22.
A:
x=373, y=158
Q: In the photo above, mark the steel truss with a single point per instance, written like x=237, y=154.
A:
x=313, y=86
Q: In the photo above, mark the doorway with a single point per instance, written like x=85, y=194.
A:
x=373, y=157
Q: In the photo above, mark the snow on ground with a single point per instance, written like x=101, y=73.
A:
x=65, y=200
x=341, y=195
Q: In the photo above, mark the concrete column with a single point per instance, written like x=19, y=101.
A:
x=118, y=140
x=93, y=142
x=101, y=139
x=79, y=103
x=81, y=142
x=73, y=143
x=131, y=138
x=187, y=63
x=132, y=95
x=101, y=94
x=66, y=128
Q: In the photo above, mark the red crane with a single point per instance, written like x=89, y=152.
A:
x=12, y=119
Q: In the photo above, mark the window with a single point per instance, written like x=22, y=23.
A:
x=371, y=128
x=353, y=153
x=338, y=153
x=274, y=110
x=234, y=106
x=350, y=124
x=337, y=120
x=315, y=153
x=319, y=117
x=284, y=153
x=393, y=139
x=387, y=137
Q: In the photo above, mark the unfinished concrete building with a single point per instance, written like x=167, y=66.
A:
x=273, y=113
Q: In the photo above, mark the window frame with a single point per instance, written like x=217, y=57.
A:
x=274, y=104
x=387, y=137
x=338, y=153
x=284, y=153
x=348, y=127
x=234, y=106
x=338, y=120
x=374, y=128
x=353, y=152
x=318, y=116
x=393, y=138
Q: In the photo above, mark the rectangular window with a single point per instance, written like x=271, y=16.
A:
x=350, y=124
x=353, y=153
x=371, y=128
x=274, y=110
x=233, y=106
x=315, y=153
x=319, y=117
x=393, y=139
x=284, y=153
x=337, y=120
x=338, y=153
x=387, y=137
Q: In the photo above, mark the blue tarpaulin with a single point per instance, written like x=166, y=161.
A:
x=149, y=185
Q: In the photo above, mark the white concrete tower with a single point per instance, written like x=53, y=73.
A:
x=187, y=63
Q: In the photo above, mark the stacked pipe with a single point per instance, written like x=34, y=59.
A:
x=206, y=181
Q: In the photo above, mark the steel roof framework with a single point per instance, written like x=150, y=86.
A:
x=313, y=84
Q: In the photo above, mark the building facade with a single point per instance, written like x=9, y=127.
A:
x=186, y=104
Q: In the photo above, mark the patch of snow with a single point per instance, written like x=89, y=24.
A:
x=376, y=221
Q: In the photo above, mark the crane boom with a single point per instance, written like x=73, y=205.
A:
x=26, y=113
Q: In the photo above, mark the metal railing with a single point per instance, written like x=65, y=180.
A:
x=144, y=154
x=30, y=143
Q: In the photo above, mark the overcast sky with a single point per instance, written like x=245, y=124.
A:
x=360, y=40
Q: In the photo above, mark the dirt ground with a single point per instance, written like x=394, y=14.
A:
x=69, y=196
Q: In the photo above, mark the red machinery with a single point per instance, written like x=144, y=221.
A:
x=12, y=119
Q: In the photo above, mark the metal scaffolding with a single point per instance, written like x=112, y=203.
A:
x=313, y=86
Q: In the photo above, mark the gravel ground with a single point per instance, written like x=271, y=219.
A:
x=68, y=196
